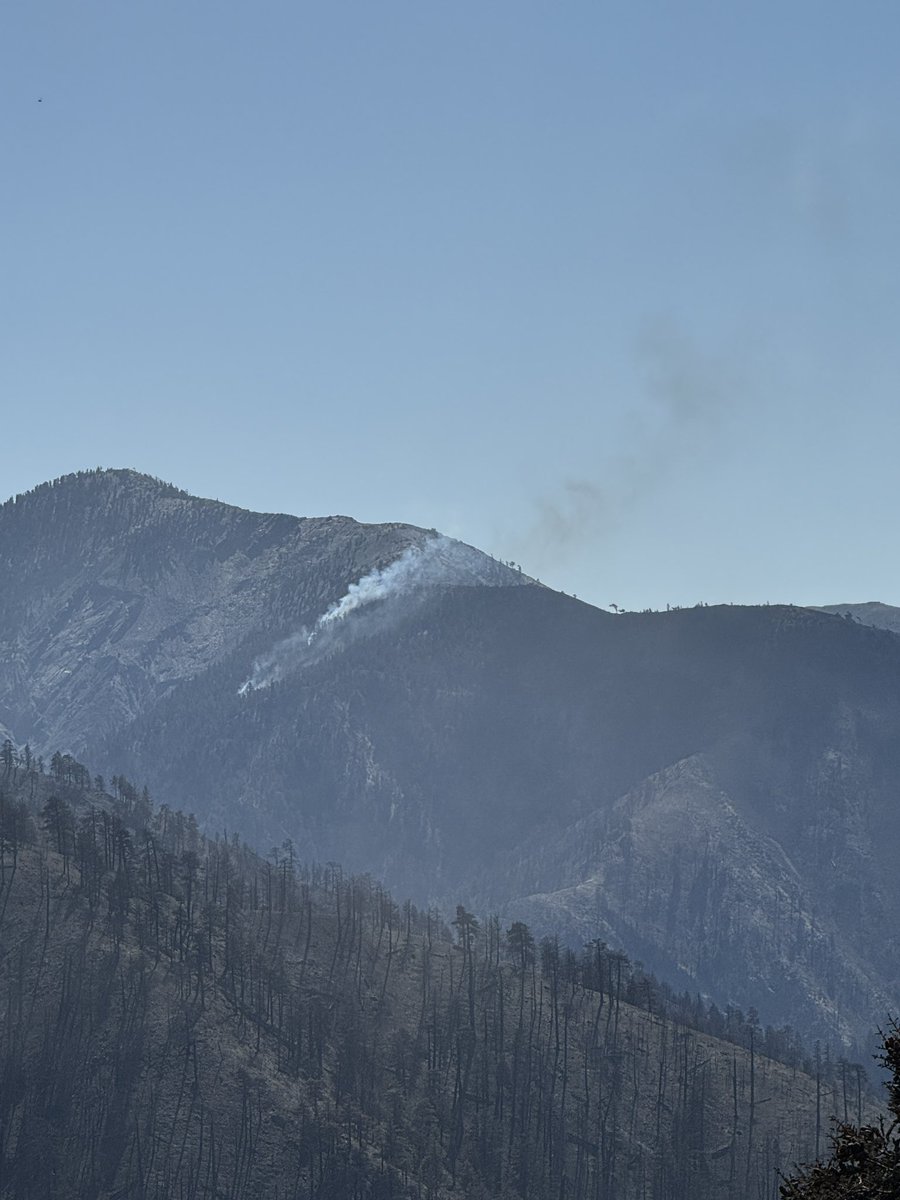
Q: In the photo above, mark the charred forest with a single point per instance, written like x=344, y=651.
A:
x=182, y=1018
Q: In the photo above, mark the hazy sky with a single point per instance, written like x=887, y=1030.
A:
x=612, y=289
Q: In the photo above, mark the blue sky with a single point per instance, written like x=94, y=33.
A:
x=611, y=289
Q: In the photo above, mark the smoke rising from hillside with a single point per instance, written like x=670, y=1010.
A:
x=439, y=560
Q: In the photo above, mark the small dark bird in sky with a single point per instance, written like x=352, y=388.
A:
x=40, y=99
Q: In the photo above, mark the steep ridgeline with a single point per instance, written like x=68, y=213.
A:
x=713, y=790
x=181, y=1018
x=118, y=586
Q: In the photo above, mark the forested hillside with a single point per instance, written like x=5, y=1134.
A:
x=181, y=1018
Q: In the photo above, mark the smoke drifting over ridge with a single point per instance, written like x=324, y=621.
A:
x=686, y=395
x=384, y=594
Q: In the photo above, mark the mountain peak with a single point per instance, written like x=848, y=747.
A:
x=98, y=479
x=125, y=584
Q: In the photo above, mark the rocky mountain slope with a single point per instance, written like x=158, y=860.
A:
x=121, y=586
x=714, y=789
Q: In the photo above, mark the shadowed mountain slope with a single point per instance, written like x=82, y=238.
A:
x=715, y=788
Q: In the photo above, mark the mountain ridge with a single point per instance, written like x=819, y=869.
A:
x=872, y=612
x=457, y=734
x=149, y=585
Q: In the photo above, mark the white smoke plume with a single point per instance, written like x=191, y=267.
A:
x=440, y=560
x=277, y=662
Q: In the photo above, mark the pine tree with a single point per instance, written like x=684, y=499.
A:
x=865, y=1159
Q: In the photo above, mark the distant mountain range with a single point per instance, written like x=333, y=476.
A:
x=879, y=616
x=713, y=789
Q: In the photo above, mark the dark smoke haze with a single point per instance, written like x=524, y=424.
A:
x=686, y=395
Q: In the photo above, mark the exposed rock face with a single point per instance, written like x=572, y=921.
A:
x=715, y=790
